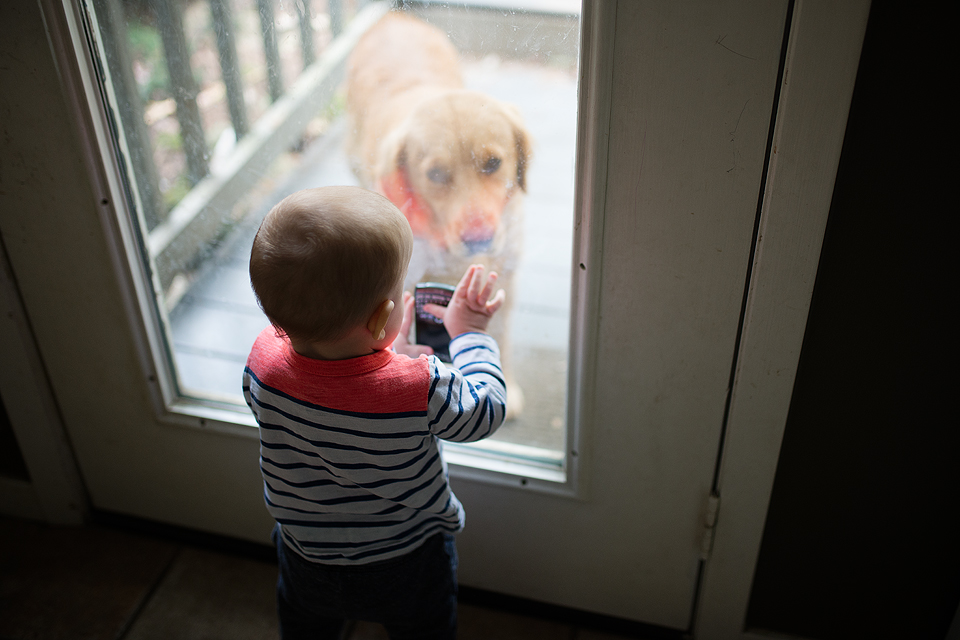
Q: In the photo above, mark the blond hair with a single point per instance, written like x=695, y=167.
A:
x=325, y=258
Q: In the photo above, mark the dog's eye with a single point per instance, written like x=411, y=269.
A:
x=438, y=175
x=491, y=165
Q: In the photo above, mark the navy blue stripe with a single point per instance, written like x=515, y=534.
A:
x=483, y=383
x=430, y=464
x=483, y=412
x=312, y=484
x=433, y=385
x=495, y=366
x=479, y=368
x=403, y=496
x=475, y=347
x=359, y=465
x=486, y=336
x=292, y=465
x=433, y=499
x=264, y=457
x=327, y=444
x=439, y=528
x=346, y=524
x=365, y=497
x=476, y=399
x=393, y=508
x=366, y=487
x=446, y=402
x=460, y=412
x=450, y=425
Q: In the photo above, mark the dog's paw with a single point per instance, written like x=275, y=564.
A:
x=514, y=401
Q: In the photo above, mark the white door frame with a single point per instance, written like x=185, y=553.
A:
x=54, y=491
x=821, y=67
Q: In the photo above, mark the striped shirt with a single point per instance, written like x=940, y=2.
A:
x=350, y=449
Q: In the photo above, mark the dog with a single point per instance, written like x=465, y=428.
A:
x=453, y=160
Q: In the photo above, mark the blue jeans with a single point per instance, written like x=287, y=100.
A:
x=413, y=596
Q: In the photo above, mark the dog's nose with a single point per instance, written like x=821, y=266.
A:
x=477, y=230
x=477, y=245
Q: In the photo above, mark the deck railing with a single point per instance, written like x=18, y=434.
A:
x=176, y=237
x=176, y=240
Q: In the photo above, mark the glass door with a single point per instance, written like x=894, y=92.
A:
x=674, y=106
x=222, y=108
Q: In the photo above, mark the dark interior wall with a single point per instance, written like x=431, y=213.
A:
x=12, y=464
x=861, y=537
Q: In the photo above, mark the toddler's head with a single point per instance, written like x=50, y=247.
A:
x=324, y=259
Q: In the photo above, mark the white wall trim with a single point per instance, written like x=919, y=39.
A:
x=821, y=66
x=55, y=491
x=597, y=39
x=953, y=633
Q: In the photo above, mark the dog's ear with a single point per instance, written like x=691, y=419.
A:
x=523, y=143
x=392, y=154
x=523, y=155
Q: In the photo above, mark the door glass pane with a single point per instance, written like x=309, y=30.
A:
x=224, y=107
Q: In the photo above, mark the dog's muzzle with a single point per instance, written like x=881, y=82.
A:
x=477, y=233
x=477, y=245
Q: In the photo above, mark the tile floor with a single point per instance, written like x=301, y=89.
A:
x=104, y=582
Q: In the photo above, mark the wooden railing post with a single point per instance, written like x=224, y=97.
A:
x=230, y=65
x=335, y=9
x=184, y=89
x=199, y=217
x=130, y=106
x=270, y=49
x=306, y=32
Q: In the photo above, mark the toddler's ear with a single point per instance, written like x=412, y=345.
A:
x=378, y=321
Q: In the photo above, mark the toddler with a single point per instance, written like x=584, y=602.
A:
x=350, y=423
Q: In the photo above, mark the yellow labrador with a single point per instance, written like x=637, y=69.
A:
x=453, y=160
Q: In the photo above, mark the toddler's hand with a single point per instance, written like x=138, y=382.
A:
x=402, y=343
x=471, y=306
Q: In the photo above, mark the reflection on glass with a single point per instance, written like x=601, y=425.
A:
x=226, y=106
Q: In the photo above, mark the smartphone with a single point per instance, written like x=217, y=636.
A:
x=429, y=328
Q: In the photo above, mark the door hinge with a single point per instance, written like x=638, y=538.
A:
x=709, y=525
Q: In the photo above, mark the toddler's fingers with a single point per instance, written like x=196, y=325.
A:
x=464, y=284
x=435, y=309
x=497, y=302
x=476, y=278
x=487, y=289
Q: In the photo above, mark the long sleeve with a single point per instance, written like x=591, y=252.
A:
x=467, y=401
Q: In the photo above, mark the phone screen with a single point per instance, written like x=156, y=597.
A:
x=429, y=328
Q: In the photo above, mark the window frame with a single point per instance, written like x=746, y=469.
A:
x=492, y=463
